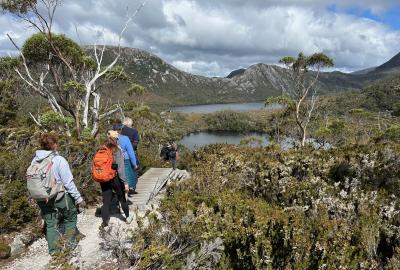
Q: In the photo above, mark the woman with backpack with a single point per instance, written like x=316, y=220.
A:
x=109, y=161
x=50, y=182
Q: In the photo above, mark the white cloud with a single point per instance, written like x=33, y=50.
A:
x=276, y=31
x=210, y=69
x=214, y=37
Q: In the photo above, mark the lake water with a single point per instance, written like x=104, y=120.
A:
x=197, y=140
x=210, y=108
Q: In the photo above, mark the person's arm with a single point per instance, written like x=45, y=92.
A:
x=136, y=137
x=63, y=173
x=119, y=158
x=130, y=152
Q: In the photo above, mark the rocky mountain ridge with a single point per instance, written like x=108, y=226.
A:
x=252, y=84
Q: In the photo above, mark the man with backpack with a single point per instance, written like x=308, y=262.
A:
x=50, y=182
x=169, y=152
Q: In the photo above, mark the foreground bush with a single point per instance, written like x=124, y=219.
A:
x=302, y=209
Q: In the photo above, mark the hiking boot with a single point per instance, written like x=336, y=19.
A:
x=103, y=225
x=129, y=220
x=132, y=191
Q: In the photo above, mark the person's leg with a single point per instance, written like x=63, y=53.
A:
x=67, y=207
x=116, y=185
x=49, y=215
x=107, y=197
x=134, y=178
x=129, y=173
x=173, y=162
x=114, y=206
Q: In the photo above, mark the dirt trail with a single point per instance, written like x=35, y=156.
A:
x=89, y=253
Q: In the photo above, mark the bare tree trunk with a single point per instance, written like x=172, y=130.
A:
x=303, y=140
x=77, y=119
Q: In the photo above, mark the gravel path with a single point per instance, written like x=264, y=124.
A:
x=89, y=253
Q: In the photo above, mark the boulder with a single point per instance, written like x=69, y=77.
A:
x=5, y=251
x=17, y=245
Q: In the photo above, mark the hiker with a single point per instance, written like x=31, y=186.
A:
x=130, y=132
x=173, y=155
x=51, y=184
x=170, y=152
x=115, y=181
x=129, y=159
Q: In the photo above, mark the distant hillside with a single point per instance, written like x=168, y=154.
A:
x=255, y=83
x=383, y=95
x=363, y=71
x=391, y=65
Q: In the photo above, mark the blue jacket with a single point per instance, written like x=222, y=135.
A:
x=62, y=173
x=127, y=149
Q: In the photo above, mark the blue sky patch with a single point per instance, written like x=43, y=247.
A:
x=390, y=17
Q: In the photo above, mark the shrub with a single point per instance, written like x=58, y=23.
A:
x=301, y=209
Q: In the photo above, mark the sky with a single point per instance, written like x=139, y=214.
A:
x=214, y=37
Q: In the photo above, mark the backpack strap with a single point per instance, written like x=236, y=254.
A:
x=60, y=189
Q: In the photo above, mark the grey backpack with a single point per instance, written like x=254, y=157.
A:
x=40, y=179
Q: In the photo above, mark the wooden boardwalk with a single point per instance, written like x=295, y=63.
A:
x=151, y=183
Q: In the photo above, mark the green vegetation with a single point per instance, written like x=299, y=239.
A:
x=302, y=209
x=245, y=207
x=264, y=208
x=233, y=121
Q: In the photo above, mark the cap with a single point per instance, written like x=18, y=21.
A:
x=117, y=126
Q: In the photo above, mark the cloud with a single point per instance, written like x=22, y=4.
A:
x=200, y=67
x=214, y=37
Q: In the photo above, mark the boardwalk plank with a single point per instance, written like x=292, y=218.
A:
x=152, y=181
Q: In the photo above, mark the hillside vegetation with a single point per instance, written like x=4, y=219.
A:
x=172, y=86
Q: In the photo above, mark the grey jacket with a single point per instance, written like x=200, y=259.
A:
x=119, y=160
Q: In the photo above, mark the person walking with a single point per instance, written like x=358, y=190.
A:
x=64, y=198
x=169, y=152
x=131, y=132
x=129, y=159
x=173, y=154
x=117, y=184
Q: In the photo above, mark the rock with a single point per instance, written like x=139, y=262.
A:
x=17, y=246
x=5, y=251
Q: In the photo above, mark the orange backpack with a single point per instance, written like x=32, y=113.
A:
x=102, y=170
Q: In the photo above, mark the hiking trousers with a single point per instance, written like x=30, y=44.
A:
x=130, y=174
x=107, y=193
x=50, y=211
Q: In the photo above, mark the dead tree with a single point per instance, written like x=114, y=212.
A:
x=65, y=76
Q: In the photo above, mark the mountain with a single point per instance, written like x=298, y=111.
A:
x=374, y=73
x=173, y=86
x=392, y=65
x=236, y=72
x=363, y=71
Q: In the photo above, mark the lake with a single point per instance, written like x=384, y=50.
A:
x=210, y=108
x=197, y=140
